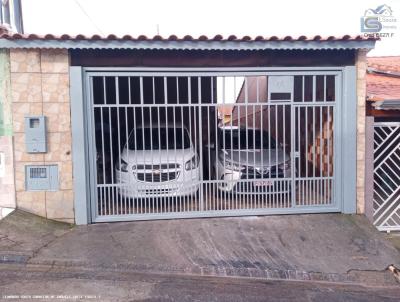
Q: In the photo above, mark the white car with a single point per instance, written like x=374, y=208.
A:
x=158, y=161
x=250, y=161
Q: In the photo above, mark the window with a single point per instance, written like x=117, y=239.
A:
x=159, y=139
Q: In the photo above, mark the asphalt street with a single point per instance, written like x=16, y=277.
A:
x=21, y=283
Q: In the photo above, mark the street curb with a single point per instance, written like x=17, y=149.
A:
x=373, y=278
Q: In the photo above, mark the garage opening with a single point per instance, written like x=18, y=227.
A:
x=179, y=144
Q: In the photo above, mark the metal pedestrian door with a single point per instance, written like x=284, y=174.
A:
x=179, y=144
x=386, y=206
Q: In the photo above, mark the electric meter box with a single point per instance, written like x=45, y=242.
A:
x=35, y=134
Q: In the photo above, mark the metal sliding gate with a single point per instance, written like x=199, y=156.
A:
x=386, y=206
x=174, y=144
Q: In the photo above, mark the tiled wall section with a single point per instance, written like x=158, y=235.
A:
x=40, y=86
x=361, y=66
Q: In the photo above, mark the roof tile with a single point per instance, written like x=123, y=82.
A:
x=218, y=37
x=383, y=86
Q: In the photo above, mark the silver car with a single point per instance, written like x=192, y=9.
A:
x=158, y=161
x=250, y=161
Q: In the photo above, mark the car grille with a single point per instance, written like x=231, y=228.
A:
x=158, y=191
x=157, y=177
x=157, y=167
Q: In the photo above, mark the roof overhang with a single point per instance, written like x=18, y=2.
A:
x=188, y=45
x=387, y=105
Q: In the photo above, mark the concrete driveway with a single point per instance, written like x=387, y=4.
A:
x=328, y=247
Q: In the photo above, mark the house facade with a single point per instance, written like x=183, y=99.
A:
x=77, y=113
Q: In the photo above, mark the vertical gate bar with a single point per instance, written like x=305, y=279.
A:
x=278, y=201
x=119, y=141
x=257, y=199
x=216, y=146
x=135, y=132
x=314, y=156
x=270, y=198
x=231, y=201
x=305, y=182
x=246, y=92
x=223, y=140
x=240, y=184
x=127, y=148
x=165, y=199
x=152, y=198
x=321, y=131
x=103, y=139
x=196, y=138
x=102, y=157
x=209, y=159
x=112, y=161
x=326, y=182
x=234, y=202
x=258, y=196
x=314, y=142
x=254, y=146
x=284, y=153
x=200, y=147
x=175, y=132
x=97, y=196
x=179, y=201
x=153, y=89
x=306, y=155
x=190, y=199
x=143, y=140
x=261, y=198
x=160, y=201
x=336, y=143
x=298, y=159
x=127, y=144
x=329, y=150
x=182, y=167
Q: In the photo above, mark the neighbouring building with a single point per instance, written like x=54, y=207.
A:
x=383, y=142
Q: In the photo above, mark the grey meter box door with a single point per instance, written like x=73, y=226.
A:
x=41, y=178
x=35, y=134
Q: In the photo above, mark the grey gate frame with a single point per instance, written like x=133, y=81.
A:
x=345, y=123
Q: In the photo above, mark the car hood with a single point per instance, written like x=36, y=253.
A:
x=179, y=156
x=255, y=158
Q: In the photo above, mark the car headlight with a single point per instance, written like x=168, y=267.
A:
x=192, y=163
x=285, y=166
x=123, y=166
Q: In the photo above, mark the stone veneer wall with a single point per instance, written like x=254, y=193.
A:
x=361, y=65
x=7, y=188
x=40, y=86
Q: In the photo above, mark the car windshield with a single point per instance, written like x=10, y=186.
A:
x=159, y=139
x=245, y=139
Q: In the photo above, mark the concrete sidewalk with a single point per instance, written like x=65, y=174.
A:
x=327, y=247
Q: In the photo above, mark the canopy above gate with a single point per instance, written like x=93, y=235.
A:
x=14, y=40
